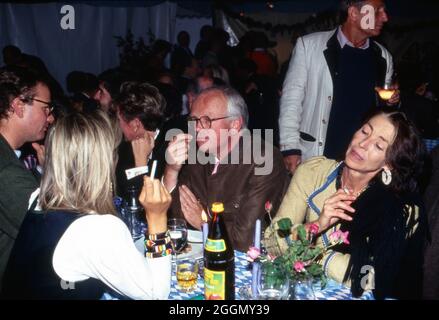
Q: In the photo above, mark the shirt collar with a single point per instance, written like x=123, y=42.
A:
x=345, y=41
x=18, y=153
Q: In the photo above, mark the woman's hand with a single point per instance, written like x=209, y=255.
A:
x=142, y=148
x=335, y=208
x=156, y=201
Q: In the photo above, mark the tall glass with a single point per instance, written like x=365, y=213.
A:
x=273, y=283
x=178, y=233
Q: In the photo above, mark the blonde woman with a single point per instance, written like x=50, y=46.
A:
x=76, y=247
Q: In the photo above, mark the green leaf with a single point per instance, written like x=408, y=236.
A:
x=301, y=232
x=285, y=225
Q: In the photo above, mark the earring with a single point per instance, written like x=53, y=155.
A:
x=386, y=176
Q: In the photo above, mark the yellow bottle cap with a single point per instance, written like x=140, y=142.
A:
x=217, y=207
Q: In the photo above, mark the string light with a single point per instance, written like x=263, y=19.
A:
x=270, y=5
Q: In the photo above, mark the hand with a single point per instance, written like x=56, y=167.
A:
x=395, y=98
x=41, y=152
x=142, y=148
x=335, y=208
x=190, y=207
x=177, y=152
x=156, y=201
x=291, y=162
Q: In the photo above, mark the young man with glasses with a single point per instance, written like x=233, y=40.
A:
x=25, y=114
x=220, y=117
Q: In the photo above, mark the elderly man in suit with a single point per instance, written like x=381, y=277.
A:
x=243, y=171
x=331, y=81
x=25, y=114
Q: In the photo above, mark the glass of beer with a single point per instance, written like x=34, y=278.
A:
x=187, y=274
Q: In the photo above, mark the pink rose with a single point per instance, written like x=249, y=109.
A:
x=313, y=228
x=339, y=237
x=299, y=266
x=253, y=253
x=344, y=237
x=268, y=206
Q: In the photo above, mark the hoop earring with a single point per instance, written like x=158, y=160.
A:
x=386, y=176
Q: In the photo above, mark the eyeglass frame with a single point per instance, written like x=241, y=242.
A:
x=192, y=118
x=49, y=105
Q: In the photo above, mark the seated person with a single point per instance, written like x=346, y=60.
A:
x=373, y=195
x=140, y=111
x=76, y=241
x=232, y=173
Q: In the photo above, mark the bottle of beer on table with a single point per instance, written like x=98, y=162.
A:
x=219, y=259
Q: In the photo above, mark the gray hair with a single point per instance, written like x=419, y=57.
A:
x=236, y=106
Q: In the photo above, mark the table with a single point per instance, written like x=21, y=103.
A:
x=333, y=290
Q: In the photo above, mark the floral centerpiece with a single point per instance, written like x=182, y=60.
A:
x=301, y=258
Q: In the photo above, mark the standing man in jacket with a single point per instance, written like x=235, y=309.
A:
x=331, y=81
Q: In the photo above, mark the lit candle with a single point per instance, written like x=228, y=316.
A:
x=255, y=267
x=205, y=228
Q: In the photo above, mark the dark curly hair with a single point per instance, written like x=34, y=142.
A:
x=406, y=155
x=16, y=82
x=142, y=101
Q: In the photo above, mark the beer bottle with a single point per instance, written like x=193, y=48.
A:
x=219, y=259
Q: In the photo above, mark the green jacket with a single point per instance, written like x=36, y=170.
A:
x=16, y=185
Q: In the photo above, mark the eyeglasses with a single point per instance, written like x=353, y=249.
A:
x=205, y=121
x=48, y=105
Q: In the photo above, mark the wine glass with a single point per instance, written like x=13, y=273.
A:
x=178, y=233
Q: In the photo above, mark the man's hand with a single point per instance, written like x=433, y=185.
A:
x=190, y=207
x=41, y=152
x=395, y=97
x=177, y=151
x=156, y=201
x=291, y=162
x=142, y=148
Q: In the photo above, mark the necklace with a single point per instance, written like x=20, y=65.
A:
x=339, y=183
x=358, y=193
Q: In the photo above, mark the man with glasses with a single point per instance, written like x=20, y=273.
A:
x=25, y=114
x=231, y=176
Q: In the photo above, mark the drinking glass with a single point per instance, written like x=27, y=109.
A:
x=187, y=274
x=302, y=289
x=273, y=283
x=178, y=233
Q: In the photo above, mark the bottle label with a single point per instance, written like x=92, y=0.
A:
x=215, y=245
x=214, y=284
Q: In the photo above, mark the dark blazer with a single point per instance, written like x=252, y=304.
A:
x=16, y=185
x=242, y=192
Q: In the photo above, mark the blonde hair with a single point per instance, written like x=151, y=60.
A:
x=80, y=164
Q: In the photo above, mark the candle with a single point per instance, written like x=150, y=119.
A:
x=255, y=266
x=205, y=228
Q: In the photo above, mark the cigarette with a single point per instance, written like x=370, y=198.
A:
x=154, y=167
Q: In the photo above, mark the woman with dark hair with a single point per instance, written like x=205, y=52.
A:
x=372, y=194
x=141, y=113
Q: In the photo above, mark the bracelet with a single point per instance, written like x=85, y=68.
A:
x=159, y=248
x=157, y=236
x=152, y=255
x=152, y=243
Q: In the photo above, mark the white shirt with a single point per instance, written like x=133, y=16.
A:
x=343, y=40
x=101, y=247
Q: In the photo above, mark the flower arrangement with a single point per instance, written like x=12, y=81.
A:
x=300, y=260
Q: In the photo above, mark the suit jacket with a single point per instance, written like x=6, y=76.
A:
x=16, y=185
x=242, y=191
x=308, y=91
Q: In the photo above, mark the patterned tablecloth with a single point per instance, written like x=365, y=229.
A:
x=333, y=291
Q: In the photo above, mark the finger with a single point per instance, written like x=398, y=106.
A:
x=186, y=197
x=156, y=189
x=190, y=194
x=148, y=188
x=340, y=214
x=344, y=206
